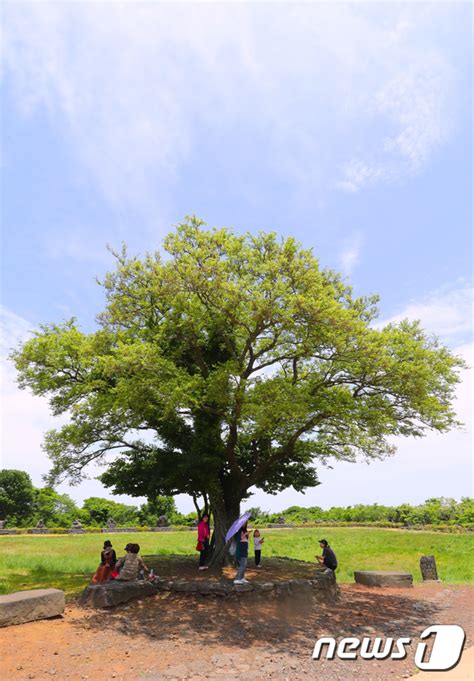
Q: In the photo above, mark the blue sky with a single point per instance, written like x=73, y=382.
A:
x=345, y=125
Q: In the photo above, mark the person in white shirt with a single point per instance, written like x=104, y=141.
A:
x=257, y=545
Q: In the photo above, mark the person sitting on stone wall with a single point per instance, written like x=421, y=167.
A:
x=131, y=565
x=108, y=559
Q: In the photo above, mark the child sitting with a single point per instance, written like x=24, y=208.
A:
x=131, y=564
x=257, y=545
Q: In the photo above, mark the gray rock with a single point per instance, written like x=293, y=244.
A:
x=27, y=606
x=243, y=587
x=217, y=588
x=188, y=587
x=300, y=586
x=112, y=593
x=283, y=588
x=428, y=568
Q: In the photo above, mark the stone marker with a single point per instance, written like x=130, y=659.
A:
x=280, y=523
x=379, y=578
x=112, y=593
x=4, y=530
x=27, y=606
x=428, y=568
x=112, y=527
x=76, y=527
x=39, y=529
x=162, y=524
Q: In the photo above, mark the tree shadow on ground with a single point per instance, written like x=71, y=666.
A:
x=282, y=623
x=274, y=568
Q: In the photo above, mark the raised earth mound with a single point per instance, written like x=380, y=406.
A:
x=278, y=577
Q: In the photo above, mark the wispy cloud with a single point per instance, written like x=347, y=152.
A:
x=346, y=95
x=350, y=255
x=24, y=418
x=447, y=312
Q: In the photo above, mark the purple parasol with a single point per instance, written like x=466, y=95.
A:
x=236, y=525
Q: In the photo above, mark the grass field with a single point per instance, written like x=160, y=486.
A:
x=66, y=562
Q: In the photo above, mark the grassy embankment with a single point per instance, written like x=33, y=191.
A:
x=66, y=562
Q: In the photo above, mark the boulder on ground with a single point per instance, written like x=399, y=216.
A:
x=379, y=578
x=112, y=593
x=27, y=606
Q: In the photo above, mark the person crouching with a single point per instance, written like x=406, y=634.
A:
x=131, y=565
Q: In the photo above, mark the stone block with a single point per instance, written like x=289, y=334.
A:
x=282, y=588
x=264, y=586
x=27, y=606
x=112, y=593
x=184, y=586
x=428, y=568
x=214, y=588
x=379, y=578
x=243, y=587
x=300, y=586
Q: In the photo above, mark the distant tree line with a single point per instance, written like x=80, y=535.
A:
x=435, y=511
x=23, y=505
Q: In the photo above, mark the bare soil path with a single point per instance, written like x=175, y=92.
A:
x=195, y=637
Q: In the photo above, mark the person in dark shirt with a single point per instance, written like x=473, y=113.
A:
x=328, y=559
x=108, y=555
x=243, y=552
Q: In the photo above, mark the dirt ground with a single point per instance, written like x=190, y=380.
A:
x=184, y=567
x=173, y=636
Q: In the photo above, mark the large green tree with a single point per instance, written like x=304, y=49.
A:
x=16, y=496
x=56, y=510
x=234, y=361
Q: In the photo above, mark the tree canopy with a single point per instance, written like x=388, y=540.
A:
x=16, y=495
x=231, y=362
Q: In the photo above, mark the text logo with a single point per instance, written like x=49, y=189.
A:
x=445, y=652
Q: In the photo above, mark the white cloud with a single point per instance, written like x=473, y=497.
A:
x=346, y=95
x=24, y=418
x=350, y=256
x=446, y=312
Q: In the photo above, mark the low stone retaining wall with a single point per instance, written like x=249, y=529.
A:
x=112, y=530
x=112, y=593
x=324, y=584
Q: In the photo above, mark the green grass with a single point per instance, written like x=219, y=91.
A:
x=66, y=562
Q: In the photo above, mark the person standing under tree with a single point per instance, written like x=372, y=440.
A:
x=257, y=545
x=203, y=541
x=328, y=558
x=243, y=552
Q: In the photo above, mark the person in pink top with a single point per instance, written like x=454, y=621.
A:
x=203, y=541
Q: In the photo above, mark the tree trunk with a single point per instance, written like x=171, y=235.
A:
x=224, y=511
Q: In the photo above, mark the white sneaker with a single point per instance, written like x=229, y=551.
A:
x=202, y=567
x=239, y=581
x=245, y=581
